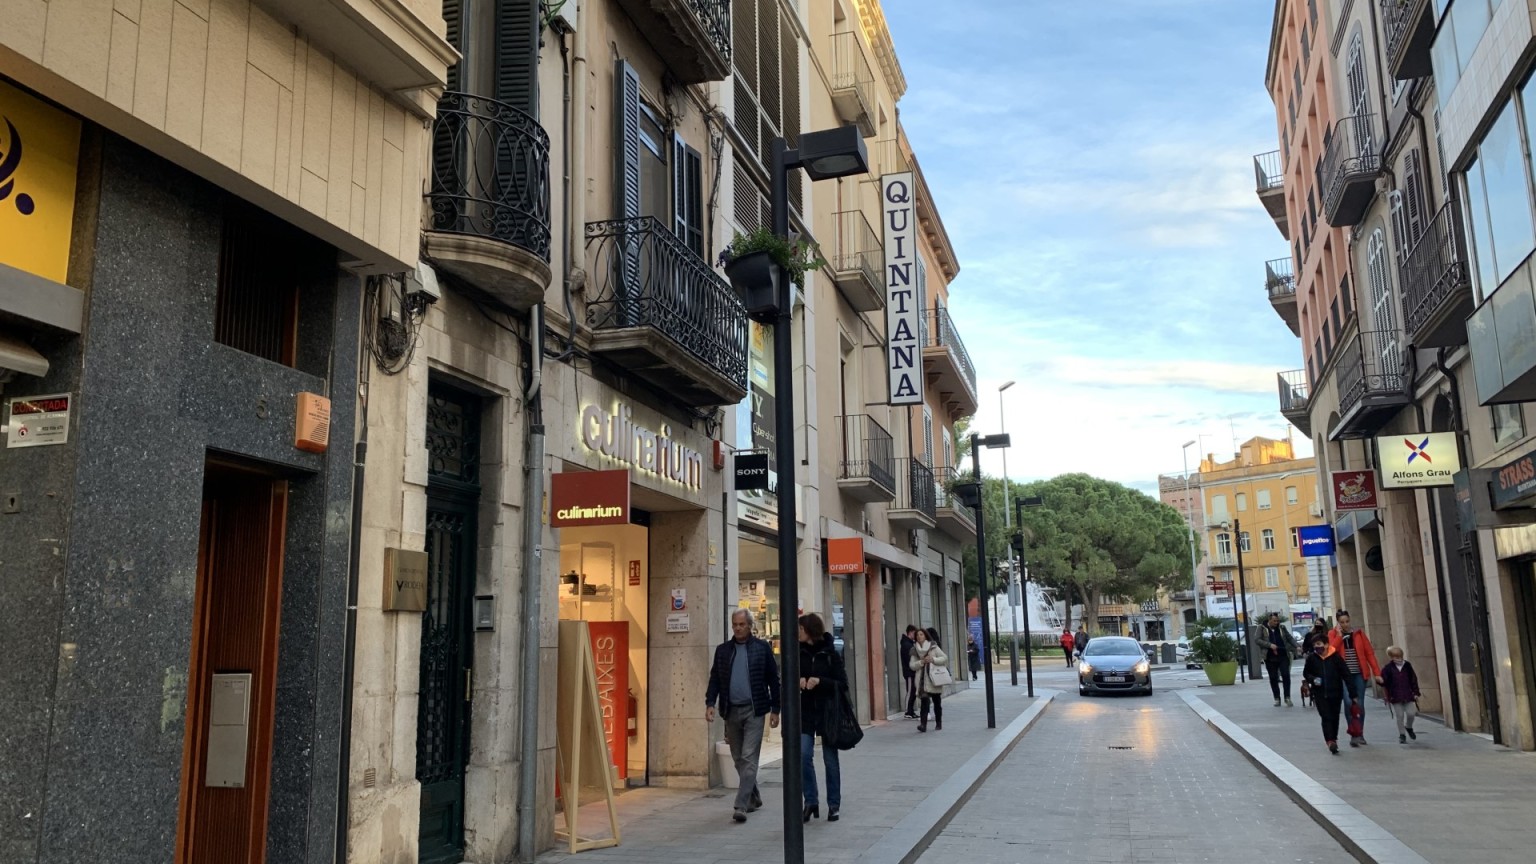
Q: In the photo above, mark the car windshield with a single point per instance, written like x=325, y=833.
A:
x=1102, y=646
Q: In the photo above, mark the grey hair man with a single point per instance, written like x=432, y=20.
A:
x=744, y=681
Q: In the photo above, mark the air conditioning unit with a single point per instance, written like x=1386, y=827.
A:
x=1316, y=510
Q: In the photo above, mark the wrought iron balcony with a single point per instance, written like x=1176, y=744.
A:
x=1224, y=559
x=1437, y=291
x=948, y=364
x=693, y=37
x=1352, y=160
x=1295, y=400
x=489, y=198
x=664, y=315
x=1371, y=384
x=856, y=262
x=853, y=83
x=1280, y=284
x=867, y=463
x=913, y=506
x=954, y=518
x=1410, y=28
x=1269, y=182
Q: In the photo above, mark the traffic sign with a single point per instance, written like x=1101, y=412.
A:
x=1225, y=585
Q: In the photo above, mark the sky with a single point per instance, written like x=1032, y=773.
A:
x=1093, y=165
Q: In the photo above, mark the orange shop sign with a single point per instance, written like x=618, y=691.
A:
x=579, y=498
x=845, y=555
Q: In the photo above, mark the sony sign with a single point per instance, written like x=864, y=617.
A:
x=903, y=316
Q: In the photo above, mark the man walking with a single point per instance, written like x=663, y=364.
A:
x=1080, y=640
x=907, y=674
x=1274, y=639
x=1360, y=659
x=745, y=680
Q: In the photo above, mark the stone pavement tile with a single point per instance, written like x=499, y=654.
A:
x=1448, y=796
x=885, y=778
x=1178, y=795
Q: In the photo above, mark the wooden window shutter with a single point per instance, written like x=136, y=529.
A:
x=626, y=185
x=517, y=55
x=1417, y=218
x=453, y=17
x=687, y=195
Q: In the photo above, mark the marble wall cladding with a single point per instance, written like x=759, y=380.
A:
x=110, y=651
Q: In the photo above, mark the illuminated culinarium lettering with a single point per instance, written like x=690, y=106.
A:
x=617, y=436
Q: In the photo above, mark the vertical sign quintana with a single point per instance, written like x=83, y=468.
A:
x=902, y=316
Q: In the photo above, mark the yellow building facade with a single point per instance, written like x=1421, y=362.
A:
x=1255, y=503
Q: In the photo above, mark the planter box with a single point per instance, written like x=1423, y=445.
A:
x=1221, y=674
x=756, y=280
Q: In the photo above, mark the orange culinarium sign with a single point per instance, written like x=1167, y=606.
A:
x=578, y=498
x=845, y=555
x=39, y=152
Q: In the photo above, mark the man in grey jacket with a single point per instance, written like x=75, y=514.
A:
x=744, y=680
x=1274, y=639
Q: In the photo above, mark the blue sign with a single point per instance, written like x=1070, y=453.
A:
x=1316, y=540
x=974, y=625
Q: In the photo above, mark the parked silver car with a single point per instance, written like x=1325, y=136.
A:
x=1114, y=664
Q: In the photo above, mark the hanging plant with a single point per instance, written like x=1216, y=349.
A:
x=795, y=257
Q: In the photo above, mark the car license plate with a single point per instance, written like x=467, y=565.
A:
x=1114, y=679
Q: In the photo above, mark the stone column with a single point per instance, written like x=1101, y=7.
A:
x=681, y=742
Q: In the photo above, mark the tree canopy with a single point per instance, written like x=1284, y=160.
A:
x=1091, y=539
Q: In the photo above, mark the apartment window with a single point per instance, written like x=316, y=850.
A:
x=1242, y=502
x=688, y=195
x=927, y=454
x=949, y=446
x=1244, y=542
x=1290, y=495
x=1271, y=577
x=1224, y=546
x=256, y=298
x=1499, y=198
x=1508, y=423
x=1263, y=495
x=1384, y=345
x=1219, y=507
x=1267, y=539
x=1461, y=29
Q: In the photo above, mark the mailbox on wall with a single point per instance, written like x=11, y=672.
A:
x=229, y=730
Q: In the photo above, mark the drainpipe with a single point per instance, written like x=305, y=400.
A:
x=533, y=537
x=1484, y=643
x=349, y=657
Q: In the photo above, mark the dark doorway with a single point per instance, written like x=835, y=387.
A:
x=443, y=706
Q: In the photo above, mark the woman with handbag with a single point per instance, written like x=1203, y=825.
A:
x=823, y=681
x=929, y=662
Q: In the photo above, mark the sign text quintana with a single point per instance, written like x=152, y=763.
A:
x=617, y=436
x=903, y=314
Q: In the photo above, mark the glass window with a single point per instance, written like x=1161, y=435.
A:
x=1244, y=542
x=1502, y=227
x=1224, y=545
x=1267, y=537
x=1271, y=577
x=1263, y=495
x=1242, y=501
x=1508, y=423
x=1218, y=504
x=1295, y=538
x=1290, y=495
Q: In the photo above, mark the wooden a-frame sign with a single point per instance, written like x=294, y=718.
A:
x=581, y=748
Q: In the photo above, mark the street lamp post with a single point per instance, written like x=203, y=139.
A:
x=823, y=155
x=1240, y=615
x=970, y=494
x=1189, y=518
x=1013, y=653
x=1018, y=548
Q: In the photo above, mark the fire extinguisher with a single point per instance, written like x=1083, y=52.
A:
x=634, y=715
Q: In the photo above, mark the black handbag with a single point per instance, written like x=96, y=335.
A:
x=844, y=723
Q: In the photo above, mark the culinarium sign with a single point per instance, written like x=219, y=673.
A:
x=615, y=434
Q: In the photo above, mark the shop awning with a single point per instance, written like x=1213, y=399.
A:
x=29, y=303
x=19, y=356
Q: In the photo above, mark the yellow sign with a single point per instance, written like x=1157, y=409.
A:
x=39, y=152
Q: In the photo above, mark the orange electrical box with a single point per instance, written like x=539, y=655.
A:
x=312, y=423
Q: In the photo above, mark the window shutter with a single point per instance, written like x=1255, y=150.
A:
x=626, y=184
x=687, y=195
x=517, y=54
x=452, y=17
x=1417, y=218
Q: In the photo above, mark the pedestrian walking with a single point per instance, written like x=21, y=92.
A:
x=1080, y=641
x=972, y=654
x=908, y=675
x=1358, y=655
x=1068, y=645
x=1327, y=677
x=929, y=663
x=1274, y=639
x=1401, y=684
x=823, y=681
x=744, y=681
x=1319, y=631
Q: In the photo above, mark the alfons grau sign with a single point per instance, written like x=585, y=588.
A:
x=903, y=317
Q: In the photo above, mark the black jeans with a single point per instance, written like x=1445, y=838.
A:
x=938, y=709
x=911, y=694
x=1279, y=669
x=1328, y=709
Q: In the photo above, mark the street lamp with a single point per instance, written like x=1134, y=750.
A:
x=1013, y=654
x=1189, y=518
x=1018, y=547
x=970, y=494
x=823, y=155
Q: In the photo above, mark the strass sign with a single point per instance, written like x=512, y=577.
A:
x=1418, y=459
x=903, y=317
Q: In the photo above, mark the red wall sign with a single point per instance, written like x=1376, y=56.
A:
x=610, y=651
x=845, y=555
x=1354, y=490
x=579, y=498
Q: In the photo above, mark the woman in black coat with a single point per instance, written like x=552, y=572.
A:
x=822, y=682
x=1325, y=673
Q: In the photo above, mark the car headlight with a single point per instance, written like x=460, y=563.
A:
x=1143, y=667
x=1084, y=667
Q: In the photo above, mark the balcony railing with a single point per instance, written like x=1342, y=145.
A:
x=1437, y=291
x=886, y=157
x=956, y=519
x=1352, y=161
x=1295, y=398
x=1410, y=29
x=857, y=262
x=648, y=280
x=490, y=173
x=867, y=463
x=1269, y=181
x=693, y=37
x=1371, y=385
x=1226, y=559
x=957, y=376
x=913, y=506
x=1279, y=279
x=853, y=83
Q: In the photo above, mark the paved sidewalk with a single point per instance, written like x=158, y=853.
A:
x=890, y=776
x=1447, y=797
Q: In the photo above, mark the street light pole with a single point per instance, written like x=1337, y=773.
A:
x=981, y=572
x=1189, y=518
x=1240, y=619
x=1013, y=654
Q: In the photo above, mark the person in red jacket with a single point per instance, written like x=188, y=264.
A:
x=1358, y=655
x=1068, y=644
